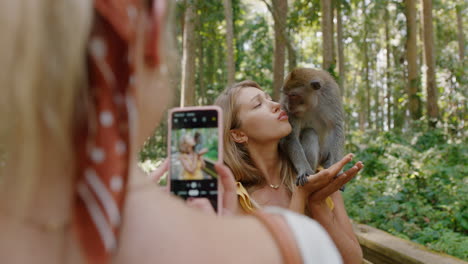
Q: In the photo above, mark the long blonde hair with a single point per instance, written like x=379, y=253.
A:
x=42, y=70
x=236, y=155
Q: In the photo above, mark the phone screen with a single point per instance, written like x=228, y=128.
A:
x=194, y=149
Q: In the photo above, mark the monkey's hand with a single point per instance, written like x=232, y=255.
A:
x=302, y=178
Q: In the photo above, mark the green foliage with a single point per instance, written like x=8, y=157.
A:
x=155, y=147
x=414, y=181
x=256, y=55
x=413, y=187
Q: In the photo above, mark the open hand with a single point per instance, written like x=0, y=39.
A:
x=322, y=184
x=229, y=194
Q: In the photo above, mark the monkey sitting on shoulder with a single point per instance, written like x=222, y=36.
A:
x=313, y=102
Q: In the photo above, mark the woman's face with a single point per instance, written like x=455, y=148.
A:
x=261, y=118
x=190, y=141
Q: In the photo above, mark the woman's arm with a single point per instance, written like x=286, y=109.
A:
x=188, y=166
x=298, y=201
x=159, y=228
x=342, y=215
x=325, y=184
x=338, y=226
x=202, y=161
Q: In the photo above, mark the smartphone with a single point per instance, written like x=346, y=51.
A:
x=194, y=145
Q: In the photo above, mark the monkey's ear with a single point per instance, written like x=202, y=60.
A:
x=238, y=136
x=315, y=84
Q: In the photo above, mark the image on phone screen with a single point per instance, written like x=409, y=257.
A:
x=194, y=148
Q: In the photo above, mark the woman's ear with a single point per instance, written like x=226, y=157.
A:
x=239, y=136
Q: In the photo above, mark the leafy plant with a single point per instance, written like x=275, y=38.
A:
x=414, y=187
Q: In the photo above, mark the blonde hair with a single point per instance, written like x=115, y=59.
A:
x=42, y=70
x=184, y=145
x=236, y=155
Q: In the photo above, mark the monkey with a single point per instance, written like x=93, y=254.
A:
x=312, y=100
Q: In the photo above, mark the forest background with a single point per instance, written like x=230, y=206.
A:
x=401, y=68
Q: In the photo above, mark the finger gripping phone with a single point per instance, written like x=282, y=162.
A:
x=194, y=146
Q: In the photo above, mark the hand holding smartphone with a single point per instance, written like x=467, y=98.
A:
x=194, y=146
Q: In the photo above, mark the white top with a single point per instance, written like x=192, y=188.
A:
x=313, y=241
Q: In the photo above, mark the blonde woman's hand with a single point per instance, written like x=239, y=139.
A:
x=159, y=171
x=322, y=184
x=229, y=198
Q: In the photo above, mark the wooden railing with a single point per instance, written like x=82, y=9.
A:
x=380, y=247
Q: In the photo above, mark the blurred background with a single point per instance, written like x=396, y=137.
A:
x=403, y=76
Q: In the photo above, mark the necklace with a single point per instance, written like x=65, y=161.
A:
x=276, y=186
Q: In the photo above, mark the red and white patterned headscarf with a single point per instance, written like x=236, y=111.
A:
x=102, y=146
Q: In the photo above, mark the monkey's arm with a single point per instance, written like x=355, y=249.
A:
x=292, y=146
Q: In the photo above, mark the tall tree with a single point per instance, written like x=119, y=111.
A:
x=200, y=62
x=339, y=40
x=432, y=107
x=288, y=41
x=231, y=68
x=187, y=94
x=366, y=68
x=280, y=8
x=332, y=19
x=388, y=69
x=327, y=35
x=461, y=37
x=411, y=57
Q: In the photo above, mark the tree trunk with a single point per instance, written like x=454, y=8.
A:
x=332, y=25
x=377, y=110
x=389, y=82
x=327, y=35
x=461, y=37
x=280, y=7
x=210, y=62
x=339, y=32
x=432, y=107
x=366, y=68
x=231, y=68
x=201, y=68
x=368, y=89
x=292, y=57
x=187, y=95
x=411, y=57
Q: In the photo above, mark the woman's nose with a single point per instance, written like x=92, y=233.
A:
x=276, y=106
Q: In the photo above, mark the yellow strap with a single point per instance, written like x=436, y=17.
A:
x=244, y=199
x=330, y=203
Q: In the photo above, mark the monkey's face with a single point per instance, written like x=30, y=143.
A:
x=300, y=96
x=302, y=89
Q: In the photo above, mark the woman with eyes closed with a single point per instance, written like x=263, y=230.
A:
x=253, y=128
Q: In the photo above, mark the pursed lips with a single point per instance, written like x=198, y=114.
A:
x=282, y=116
